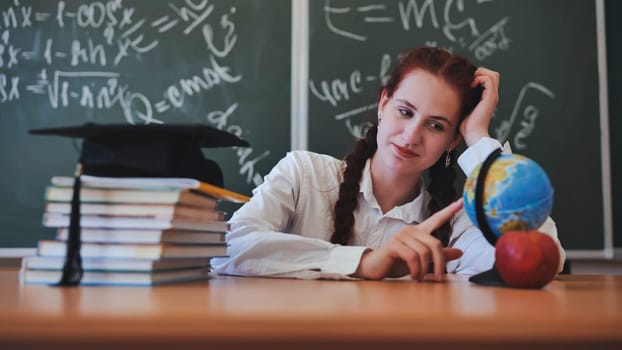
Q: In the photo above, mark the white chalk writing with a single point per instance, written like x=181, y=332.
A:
x=529, y=115
x=492, y=40
x=448, y=17
x=454, y=20
x=343, y=89
x=87, y=61
x=220, y=119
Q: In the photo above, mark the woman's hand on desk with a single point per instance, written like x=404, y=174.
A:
x=411, y=250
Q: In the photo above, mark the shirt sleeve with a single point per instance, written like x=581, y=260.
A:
x=478, y=255
x=477, y=153
x=470, y=238
x=259, y=244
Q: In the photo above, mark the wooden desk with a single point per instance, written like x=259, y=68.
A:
x=572, y=312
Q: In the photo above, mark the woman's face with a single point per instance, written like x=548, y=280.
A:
x=419, y=122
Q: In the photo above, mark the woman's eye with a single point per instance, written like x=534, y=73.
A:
x=405, y=112
x=436, y=126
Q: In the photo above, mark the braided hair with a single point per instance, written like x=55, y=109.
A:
x=458, y=73
x=349, y=188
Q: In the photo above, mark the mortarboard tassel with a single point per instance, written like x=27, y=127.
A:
x=72, y=270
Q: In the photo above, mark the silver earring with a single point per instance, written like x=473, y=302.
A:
x=447, y=160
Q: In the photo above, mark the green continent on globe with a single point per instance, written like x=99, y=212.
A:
x=514, y=225
x=497, y=175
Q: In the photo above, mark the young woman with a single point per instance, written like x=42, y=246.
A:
x=372, y=216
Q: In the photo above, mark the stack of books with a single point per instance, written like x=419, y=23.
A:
x=134, y=231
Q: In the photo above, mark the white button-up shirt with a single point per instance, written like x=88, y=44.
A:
x=285, y=229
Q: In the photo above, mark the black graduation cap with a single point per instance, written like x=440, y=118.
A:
x=150, y=150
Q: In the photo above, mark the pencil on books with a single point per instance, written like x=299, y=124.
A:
x=222, y=193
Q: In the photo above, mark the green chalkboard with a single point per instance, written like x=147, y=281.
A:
x=219, y=62
x=545, y=50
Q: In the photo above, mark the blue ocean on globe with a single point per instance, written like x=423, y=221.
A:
x=518, y=194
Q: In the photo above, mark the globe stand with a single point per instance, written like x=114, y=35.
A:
x=488, y=278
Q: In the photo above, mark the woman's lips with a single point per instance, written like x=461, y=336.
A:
x=404, y=152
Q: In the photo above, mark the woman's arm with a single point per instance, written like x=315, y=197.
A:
x=260, y=242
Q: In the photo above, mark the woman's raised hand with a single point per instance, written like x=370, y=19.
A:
x=411, y=250
x=475, y=126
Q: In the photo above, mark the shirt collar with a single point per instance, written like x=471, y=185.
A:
x=412, y=212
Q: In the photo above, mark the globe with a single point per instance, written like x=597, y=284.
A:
x=517, y=195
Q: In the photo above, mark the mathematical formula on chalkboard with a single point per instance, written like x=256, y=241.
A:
x=117, y=34
x=111, y=58
x=459, y=29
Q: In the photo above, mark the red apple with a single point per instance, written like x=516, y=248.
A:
x=526, y=259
